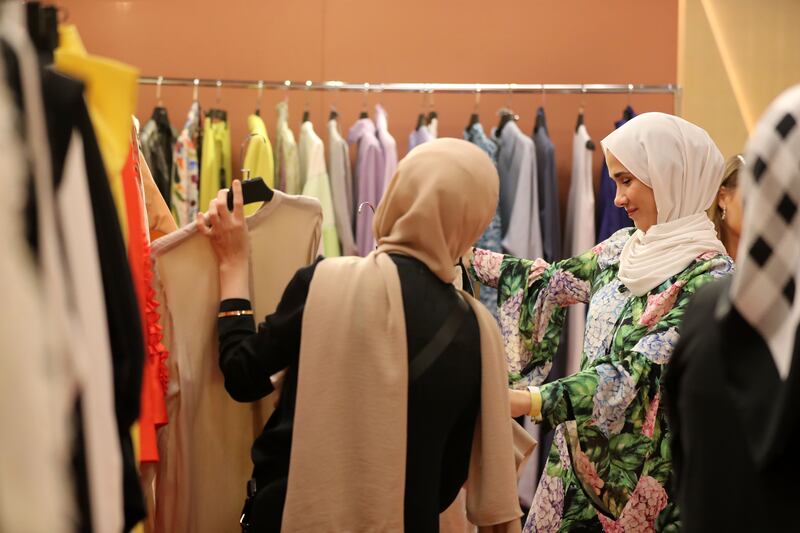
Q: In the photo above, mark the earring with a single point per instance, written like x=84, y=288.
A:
x=724, y=212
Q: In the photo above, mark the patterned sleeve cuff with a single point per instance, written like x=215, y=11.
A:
x=486, y=267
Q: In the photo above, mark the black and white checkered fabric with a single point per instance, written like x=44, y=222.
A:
x=764, y=288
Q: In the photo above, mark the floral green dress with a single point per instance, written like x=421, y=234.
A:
x=609, y=468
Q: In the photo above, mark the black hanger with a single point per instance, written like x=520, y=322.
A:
x=473, y=119
x=579, y=123
x=505, y=118
x=363, y=114
x=305, y=117
x=420, y=121
x=160, y=117
x=334, y=115
x=432, y=115
x=541, y=121
x=628, y=113
x=218, y=114
x=253, y=190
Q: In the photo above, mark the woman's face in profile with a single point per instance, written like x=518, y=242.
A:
x=632, y=194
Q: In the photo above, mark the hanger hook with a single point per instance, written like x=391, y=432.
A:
x=630, y=93
x=63, y=14
x=195, y=90
x=509, y=98
x=159, y=83
x=308, y=100
x=365, y=103
x=219, y=91
x=361, y=207
x=477, y=97
x=287, y=84
x=583, y=98
x=543, y=94
x=259, y=95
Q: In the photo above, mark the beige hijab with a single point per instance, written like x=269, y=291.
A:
x=347, y=469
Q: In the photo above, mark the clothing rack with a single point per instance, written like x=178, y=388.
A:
x=474, y=88
x=517, y=88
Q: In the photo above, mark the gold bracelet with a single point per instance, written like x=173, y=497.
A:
x=240, y=312
x=536, y=404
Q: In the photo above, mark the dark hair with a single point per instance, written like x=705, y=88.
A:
x=730, y=180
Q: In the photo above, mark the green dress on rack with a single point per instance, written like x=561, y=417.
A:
x=609, y=468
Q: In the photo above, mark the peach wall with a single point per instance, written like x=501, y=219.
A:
x=469, y=41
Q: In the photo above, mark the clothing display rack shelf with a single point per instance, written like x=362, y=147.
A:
x=506, y=88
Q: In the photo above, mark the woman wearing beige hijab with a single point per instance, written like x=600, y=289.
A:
x=395, y=388
x=609, y=468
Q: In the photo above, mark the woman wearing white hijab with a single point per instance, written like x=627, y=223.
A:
x=609, y=468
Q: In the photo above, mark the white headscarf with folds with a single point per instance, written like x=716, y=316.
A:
x=683, y=166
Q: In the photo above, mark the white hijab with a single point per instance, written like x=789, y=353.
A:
x=683, y=166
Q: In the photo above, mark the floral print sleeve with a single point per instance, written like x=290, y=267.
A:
x=532, y=296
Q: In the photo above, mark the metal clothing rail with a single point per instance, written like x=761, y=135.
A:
x=504, y=88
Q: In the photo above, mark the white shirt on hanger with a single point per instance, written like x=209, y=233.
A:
x=579, y=236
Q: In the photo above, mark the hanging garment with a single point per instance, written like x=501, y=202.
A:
x=215, y=167
x=159, y=219
x=611, y=218
x=111, y=89
x=370, y=172
x=578, y=235
x=492, y=237
x=519, y=200
x=287, y=163
x=549, y=211
x=201, y=480
x=158, y=138
x=317, y=185
x=388, y=145
x=433, y=127
x=258, y=158
x=418, y=136
x=67, y=112
x=35, y=447
x=153, y=412
x=341, y=187
x=186, y=170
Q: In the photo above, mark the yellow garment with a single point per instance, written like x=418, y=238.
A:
x=258, y=157
x=111, y=89
x=215, y=168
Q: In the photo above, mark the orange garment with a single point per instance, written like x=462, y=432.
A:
x=152, y=409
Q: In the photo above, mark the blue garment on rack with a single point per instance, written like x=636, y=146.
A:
x=493, y=236
x=609, y=217
x=549, y=212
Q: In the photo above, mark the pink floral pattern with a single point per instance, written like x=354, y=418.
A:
x=640, y=513
x=587, y=472
x=487, y=267
x=537, y=269
x=547, y=506
x=648, y=427
x=660, y=304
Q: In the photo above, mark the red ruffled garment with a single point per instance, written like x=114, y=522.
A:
x=153, y=408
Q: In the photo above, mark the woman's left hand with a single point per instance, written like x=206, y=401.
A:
x=520, y=402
